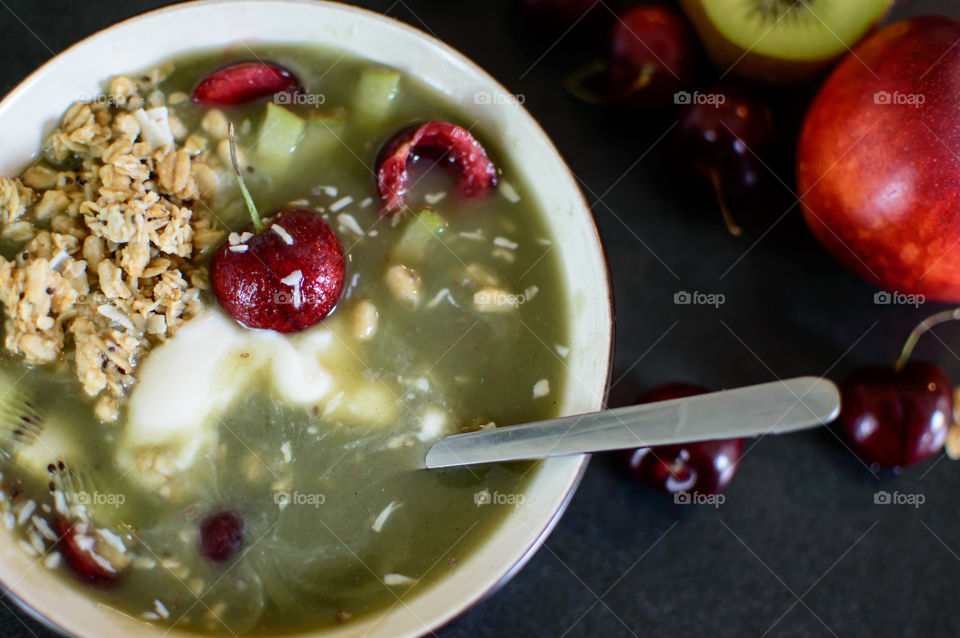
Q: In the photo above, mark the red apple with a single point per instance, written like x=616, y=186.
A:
x=878, y=161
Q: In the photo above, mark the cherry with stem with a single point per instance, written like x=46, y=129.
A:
x=898, y=416
x=285, y=274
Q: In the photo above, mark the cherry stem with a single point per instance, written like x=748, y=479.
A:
x=575, y=82
x=640, y=82
x=254, y=214
x=735, y=230
x=922, y=328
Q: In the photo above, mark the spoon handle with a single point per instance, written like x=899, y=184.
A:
x=768, y=408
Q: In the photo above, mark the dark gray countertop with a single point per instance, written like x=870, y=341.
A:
x=799, y=548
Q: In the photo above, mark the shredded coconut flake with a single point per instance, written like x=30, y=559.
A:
x=440, y=296
x=340, y=204
x=433, y=198
x=541, y=389
x=155, y=126
x=43, y=528
x=25, y=512
x=329, y=191
x=116, y=315
x=349, y=222
x=293, y=280
x=384, y=515
x=239, y=248
x=397, y=579
x=284, y=235
x=115, y=541
x=509, y=192
x=58, y=260
x=503, y=242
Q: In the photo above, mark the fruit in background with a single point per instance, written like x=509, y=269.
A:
x=722, y=135
x=877, y=160
x=285, y=275
x=245, y=82
x=447, y=143
x=897, y=416
x=705, y=467
x=651, y=58
x=781, y=41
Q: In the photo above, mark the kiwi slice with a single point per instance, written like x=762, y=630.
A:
x=781, y=40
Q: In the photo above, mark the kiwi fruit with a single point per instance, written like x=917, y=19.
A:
x=21, y=423
x=781, y=41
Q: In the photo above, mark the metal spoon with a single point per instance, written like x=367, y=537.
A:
x=768, y=408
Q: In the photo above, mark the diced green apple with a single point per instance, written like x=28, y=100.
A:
x=280, y=134
x=374, y=95
x=322, y=134
x=420, y=231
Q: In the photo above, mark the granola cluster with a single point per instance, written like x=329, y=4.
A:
x=107, y=227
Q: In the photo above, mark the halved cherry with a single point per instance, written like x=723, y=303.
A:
x=245, y=82
x=285, y=275
x=441, y=141
x=80, y=552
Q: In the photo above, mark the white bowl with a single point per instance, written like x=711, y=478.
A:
x=33, y=108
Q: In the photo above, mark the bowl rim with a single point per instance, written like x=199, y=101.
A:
x=582, y=205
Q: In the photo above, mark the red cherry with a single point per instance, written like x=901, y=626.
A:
x=651, y=58
x=896, y=418
x=706, y=467
x=221, y=536
x=79, y=552
x=442, y=141
x=256, y=281
x=245, y=82
x=723, y=134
